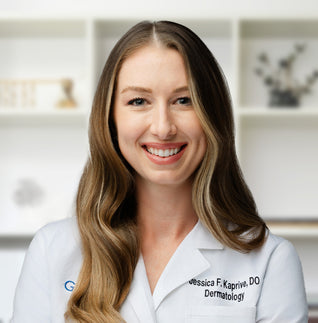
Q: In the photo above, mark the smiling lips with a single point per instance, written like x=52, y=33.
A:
x=164, y=154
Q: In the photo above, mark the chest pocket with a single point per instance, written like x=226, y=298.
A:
x=221, y=314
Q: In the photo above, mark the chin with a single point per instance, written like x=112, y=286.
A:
x=168, y=181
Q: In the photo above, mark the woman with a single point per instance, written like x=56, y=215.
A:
x=166, y=230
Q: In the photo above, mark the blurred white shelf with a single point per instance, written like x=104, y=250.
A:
x=294, y=229
x=34, y=112
x=23, y=235
x=313, y=300
x=22, y=231
x=313, y=306
x=12, y=116
x=277, y=112
x=269, y=28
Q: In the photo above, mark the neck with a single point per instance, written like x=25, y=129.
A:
x=164, y=212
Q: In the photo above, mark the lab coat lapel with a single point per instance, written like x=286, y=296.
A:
x=187, y=262
x=140, y=297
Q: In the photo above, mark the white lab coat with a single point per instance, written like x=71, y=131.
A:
x=203, y=282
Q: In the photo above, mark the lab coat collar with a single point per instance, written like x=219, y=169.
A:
x=202, y=238
x=186, y=263
x=140, y=297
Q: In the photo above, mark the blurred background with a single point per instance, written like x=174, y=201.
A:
x=51, y=57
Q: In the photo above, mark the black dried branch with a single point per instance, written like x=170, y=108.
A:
x=300, y=48
x=258, y=71
x=281, y=79
x=263, y=58
x=269, y=81
x=284, y=63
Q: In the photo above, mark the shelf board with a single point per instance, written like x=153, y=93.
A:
x=15, y=237
x=279, y=28
x=307, y=229
x=13, y=116
x=42, y=27
x=277, y=112
x=313, y=302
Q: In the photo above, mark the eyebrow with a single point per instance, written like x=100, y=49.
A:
x=136, y=89
x=147, y=90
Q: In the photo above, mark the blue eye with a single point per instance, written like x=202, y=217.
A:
x=184, y=101
x=137, y=102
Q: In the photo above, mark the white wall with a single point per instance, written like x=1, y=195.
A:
x=165, y=8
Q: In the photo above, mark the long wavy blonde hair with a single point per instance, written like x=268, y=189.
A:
x=106, y=210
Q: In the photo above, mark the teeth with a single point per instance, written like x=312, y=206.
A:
x=163, y=152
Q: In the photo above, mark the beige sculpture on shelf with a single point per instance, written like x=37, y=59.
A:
x=22, y=93
x=68, y=101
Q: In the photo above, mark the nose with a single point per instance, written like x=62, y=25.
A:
x=163, y=122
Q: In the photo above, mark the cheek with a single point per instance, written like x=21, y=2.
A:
x=127, y=133
x=203, y=143
x=199, y=138
x=195, y=131
x=202, y=147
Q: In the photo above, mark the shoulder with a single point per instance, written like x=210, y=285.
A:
x=283, y=274
x=282, y=254
x=276, y=253
x=64, y=226
x=57, y=237
x=276, y=248
x=53, y=257
x=62, y=229
x=275, y=245
x=283, y=290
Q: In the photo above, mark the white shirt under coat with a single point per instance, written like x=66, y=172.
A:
x=203, y=282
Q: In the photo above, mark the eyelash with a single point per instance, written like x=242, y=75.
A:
x=188, y=100
x=142, y=101
x=135, y=100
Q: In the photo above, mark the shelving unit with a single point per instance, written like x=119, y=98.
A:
x=42, y=146
x=276, y=146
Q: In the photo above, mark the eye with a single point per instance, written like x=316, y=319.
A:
x=184, y=101
x=137, y=102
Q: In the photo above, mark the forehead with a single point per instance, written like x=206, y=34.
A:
x=153, y=63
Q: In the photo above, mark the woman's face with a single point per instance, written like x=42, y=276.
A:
x=158, y=131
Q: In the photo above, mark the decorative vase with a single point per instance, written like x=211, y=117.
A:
x=283, y=98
